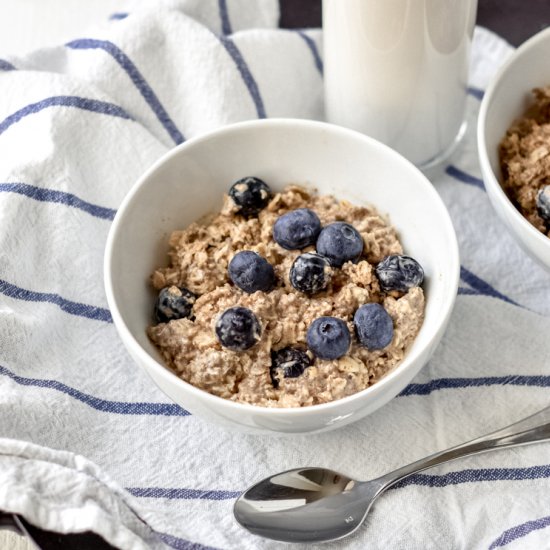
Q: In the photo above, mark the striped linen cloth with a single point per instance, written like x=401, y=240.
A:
x=78, y=124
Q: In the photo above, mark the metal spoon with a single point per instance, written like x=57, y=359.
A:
x=317, y=505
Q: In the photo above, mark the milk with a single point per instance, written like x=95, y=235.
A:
x=397, y=70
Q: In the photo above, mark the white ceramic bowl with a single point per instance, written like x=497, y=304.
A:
x=506, y=99
x=189, y=182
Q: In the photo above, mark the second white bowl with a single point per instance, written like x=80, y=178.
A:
x=506, y=99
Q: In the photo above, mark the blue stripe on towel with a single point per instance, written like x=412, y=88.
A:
x=468, y=291
x=103, y=405
x=246, y=75
x=137, y=78
x=182, y=494
x=483, y=287
x=539, y=381
x=6, y=65
x=59, y=197
x=86, y=104
x=313, y=47
x=181, y=544
x=476, y=475
x=73, y=308
x=459, y=175
x=224, y=16
x=426, y=480
x=464, y=291
x=117, y=16
x=476, y=92
x=519, y=531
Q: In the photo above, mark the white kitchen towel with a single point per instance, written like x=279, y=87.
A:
x=78, y=124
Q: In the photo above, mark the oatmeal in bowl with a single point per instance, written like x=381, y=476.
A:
x=258, y=316
x=524, y=154
x=286, y=299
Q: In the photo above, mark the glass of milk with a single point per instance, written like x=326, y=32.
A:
x=397, y=70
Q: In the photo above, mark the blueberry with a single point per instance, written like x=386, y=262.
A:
x=288, y=363
x=174, y=303
x=373, y=325
x=399, y=273
x=310, y=273
x=328, y=337
x=251, y=195
x=297, y=229
x=238, y=329
x=543, y=203
x=251, y=272
x=340, y=242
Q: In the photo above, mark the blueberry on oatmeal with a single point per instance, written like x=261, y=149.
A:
x=174, y=303
x=543, y=203
x=297, y=229
x=328, y=338
x=400, y=273
x=289, y=362
x=310, y=273
x=238, y=329
x=340, y=242
x=250, y=195
x=251, y=272
x=374, y=326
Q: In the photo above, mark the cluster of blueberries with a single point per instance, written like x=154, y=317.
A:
x=238, y=328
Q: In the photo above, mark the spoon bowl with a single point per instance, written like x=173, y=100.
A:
x=313, y=505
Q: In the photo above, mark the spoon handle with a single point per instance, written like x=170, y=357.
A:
x=532, y=429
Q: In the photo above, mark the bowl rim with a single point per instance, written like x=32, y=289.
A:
x=489, y=176
x=310, y=410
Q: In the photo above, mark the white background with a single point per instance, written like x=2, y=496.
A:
x=29, y=24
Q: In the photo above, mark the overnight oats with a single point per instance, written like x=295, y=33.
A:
x=286, y=299
x=524, y=154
